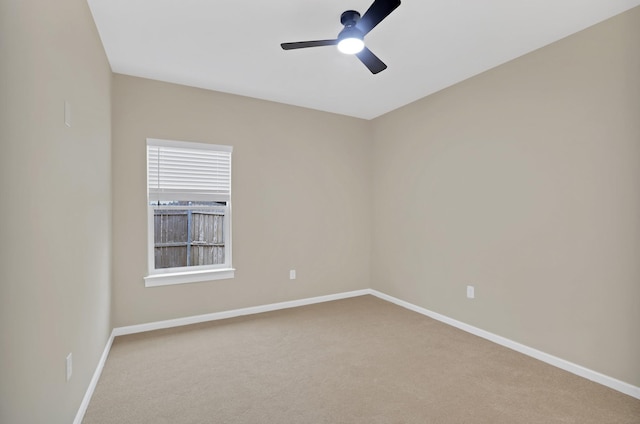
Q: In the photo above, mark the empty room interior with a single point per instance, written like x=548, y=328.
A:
x=451, y=238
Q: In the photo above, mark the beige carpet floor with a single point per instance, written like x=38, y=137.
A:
x=358, y=360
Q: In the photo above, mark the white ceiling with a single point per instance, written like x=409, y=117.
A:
x=233, y=46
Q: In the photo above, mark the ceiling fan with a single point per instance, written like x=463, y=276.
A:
x=351, y=39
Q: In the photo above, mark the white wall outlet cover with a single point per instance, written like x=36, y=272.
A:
x=69, y=366
x=292, y=274
x=471, y=292
x=67, y=113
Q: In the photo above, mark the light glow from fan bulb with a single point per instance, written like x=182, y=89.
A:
x=351, y=45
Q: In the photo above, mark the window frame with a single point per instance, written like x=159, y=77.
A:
x=187, y=274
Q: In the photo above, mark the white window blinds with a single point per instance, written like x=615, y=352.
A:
x=188, y=171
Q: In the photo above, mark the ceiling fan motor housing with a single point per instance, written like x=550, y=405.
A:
x=349, y=18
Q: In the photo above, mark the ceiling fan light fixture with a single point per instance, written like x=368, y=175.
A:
x=350, y=41
x=351, y=45
x=351, y=38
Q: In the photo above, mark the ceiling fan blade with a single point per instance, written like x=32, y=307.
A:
x=371, y=61
x=379, y=10
x=305, y=44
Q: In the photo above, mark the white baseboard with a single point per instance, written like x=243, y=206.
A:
x=579, y=370
x=132, y=329
x=94, y=382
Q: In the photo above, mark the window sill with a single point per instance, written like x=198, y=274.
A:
x=188, y=277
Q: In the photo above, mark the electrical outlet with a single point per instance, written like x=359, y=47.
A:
x=471, y=293
x=67, y=114
x=292, y=274
x=69, y=366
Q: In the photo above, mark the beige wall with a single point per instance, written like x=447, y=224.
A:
x=524, y=182
x=301, y=196
x=55, y=191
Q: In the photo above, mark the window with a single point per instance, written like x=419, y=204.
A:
x=189, y=212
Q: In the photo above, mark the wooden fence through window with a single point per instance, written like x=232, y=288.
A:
x=188, y=238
